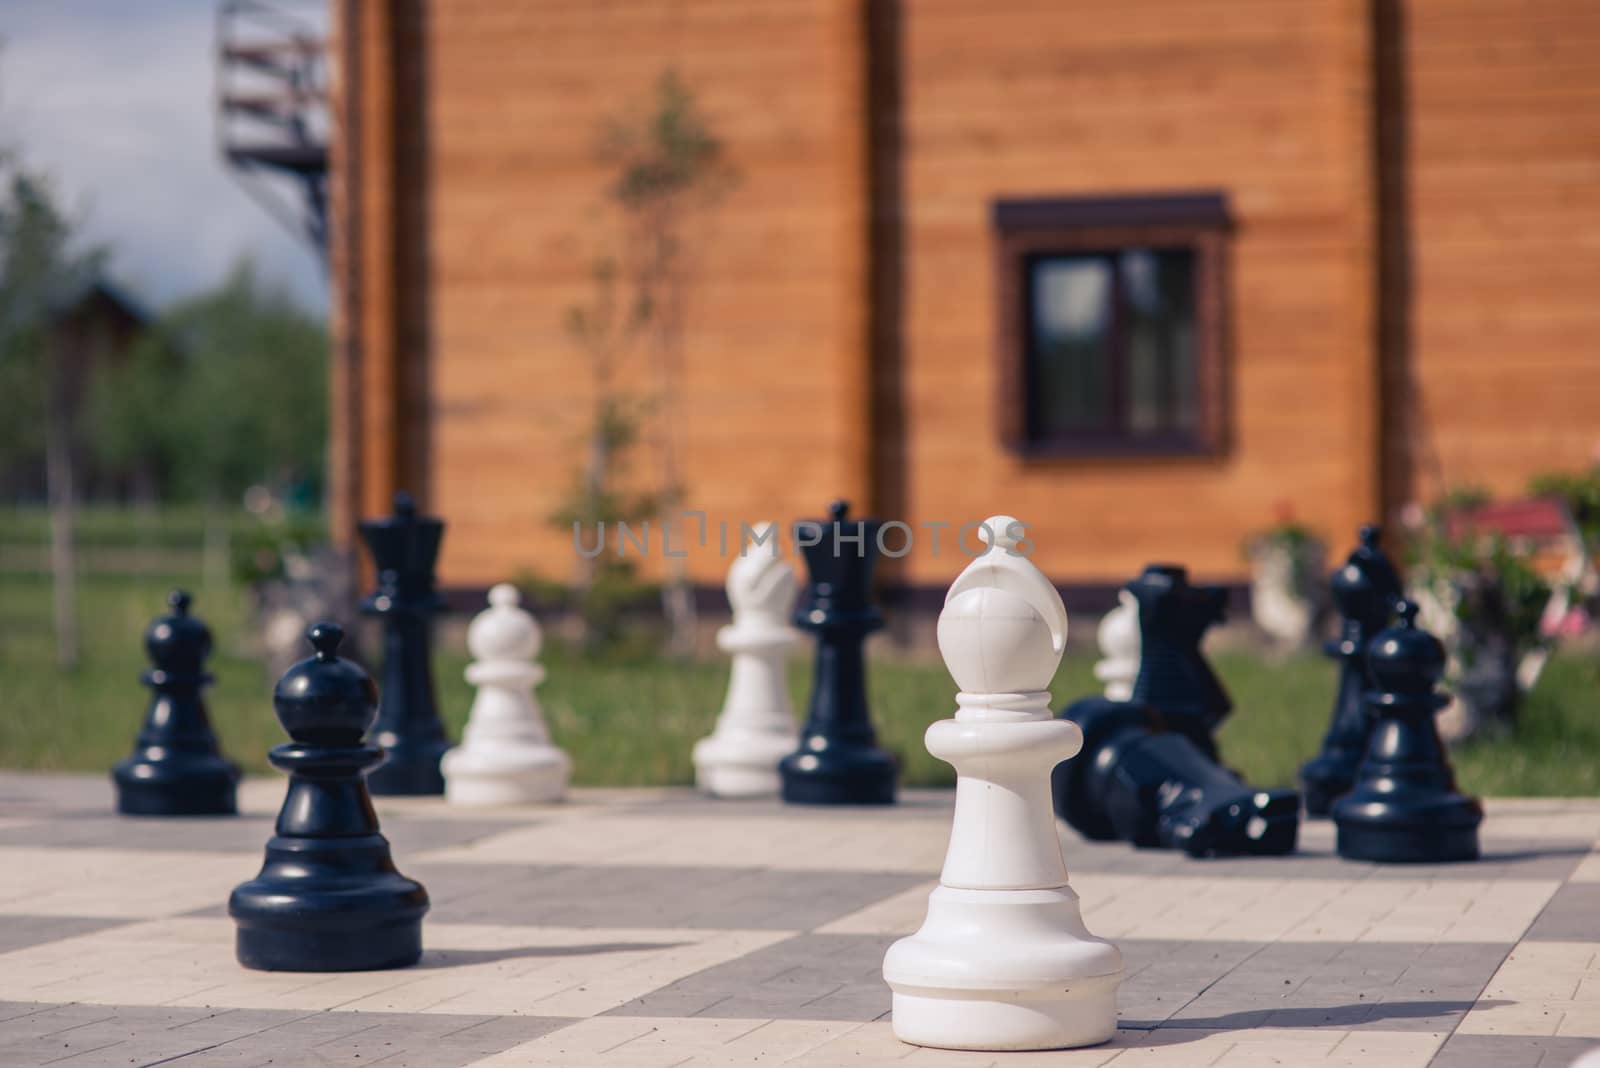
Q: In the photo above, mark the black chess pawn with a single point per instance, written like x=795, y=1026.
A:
x=1364, y=590
x=1405, y=806
x=175, y=768
x=1174, y=679
x=1137, y=781
x=838, y=762
x=328, y=898
x=405, y=549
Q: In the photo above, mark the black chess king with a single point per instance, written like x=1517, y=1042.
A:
x=175, y=768
x=405, y=549
x=838, y=762
x=328, y=897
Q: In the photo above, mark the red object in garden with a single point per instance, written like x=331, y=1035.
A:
x=1535, y=518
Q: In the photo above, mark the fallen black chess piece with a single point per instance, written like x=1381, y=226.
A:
x=1148, y=772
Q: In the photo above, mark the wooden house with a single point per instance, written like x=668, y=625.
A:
x=1143, y=274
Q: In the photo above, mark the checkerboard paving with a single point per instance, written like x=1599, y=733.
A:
x=661, y=929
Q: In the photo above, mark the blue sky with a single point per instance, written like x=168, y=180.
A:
x=114, y=99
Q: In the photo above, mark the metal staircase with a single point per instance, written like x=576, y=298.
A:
x=272, y=109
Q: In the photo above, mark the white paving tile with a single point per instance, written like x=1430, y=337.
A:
x=495, y=970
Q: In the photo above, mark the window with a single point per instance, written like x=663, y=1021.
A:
x=1111, y=325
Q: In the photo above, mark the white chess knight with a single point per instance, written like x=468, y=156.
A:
x=505, y=756
x=1003, y=960
x=1118, y=666
x=756, y=728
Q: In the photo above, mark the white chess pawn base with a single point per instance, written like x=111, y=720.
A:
x=517, y=777
x=741, y=763
x=1004, y=970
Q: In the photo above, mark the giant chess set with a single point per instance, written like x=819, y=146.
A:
x=1100, y=887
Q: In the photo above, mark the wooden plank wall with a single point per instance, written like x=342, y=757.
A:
x=1502, y=171
x=773, y=423
x=1487, y=258
x=1267, y=102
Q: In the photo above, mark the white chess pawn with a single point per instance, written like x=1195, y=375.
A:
x=505, y=756
x=756, y=728
x=1118, y=635
x=1003, y=960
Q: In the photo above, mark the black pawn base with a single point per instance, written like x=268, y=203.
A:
x=202, y=787
x=410, y=770
x=863, y=776
x=1408, y=845
x=1408, y=826
x=329, y=905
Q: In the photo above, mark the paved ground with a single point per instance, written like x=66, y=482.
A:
x=654, y=928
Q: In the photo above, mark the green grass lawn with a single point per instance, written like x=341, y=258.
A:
x=632, y=721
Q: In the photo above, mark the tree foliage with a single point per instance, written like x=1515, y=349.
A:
x=43, y=266
x=228, y=390
x=666, y=166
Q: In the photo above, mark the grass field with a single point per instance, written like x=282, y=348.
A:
x=632, y=720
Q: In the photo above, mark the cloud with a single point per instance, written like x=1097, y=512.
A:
x=116, y=101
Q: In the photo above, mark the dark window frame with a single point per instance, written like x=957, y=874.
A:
x=1026, y=230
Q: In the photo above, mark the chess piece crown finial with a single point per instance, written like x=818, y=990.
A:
x=506, y=630
x=178, y=643
x=1003, y=628
x=404, y=548
x=841, y=553
x=325, y=700
x=1405, y=663
x=1366, y=585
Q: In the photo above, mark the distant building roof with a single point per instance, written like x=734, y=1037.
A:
x=97, y=287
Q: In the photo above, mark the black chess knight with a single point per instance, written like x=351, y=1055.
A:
x=175, y=768
x=1174, y=679
x=1404, y=806
x=1148, y=772
x=1364, y=590
x=838, y=762
x=328, y=898
x=405, y=549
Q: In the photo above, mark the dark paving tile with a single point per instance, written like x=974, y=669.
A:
x=572, y=896
x=225, y=834
x=200, y=834
x=1500, y=860
x=1571, y=915
x=82, y=1035
x=913, y=805
x=1511, y=1051
x=1210, y=985
x=19, y=932
x=807, y=977
x=1362, y=986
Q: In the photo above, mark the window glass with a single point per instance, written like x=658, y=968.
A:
x=1111, y=344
